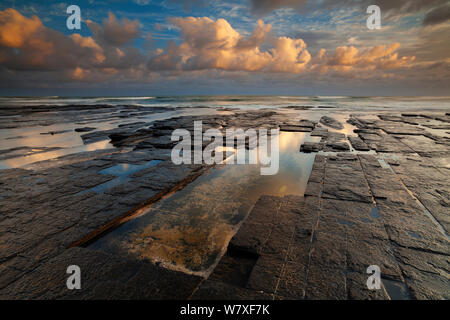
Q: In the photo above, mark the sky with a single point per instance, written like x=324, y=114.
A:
x=200, y=47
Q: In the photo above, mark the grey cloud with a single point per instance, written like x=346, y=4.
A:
x=389, y=7
x=437, y=15
x=266, y=6
x=313, y=38
x=114, y=32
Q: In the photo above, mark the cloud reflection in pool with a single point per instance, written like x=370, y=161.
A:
x=190, y=230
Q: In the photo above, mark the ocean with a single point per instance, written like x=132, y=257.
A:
x=243, y=102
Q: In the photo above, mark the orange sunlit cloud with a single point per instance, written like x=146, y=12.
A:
x=206, y=44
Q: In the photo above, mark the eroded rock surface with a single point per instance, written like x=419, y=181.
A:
x=385, y=204
x=331, y=122
x=355, y=213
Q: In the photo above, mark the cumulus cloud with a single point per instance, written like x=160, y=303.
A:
x=26, y=44
x=17, y=29
x=350, y=59
x=89, y=42
x=28, y=50
x=25, y=34
x=210, y=44
x=114, y=32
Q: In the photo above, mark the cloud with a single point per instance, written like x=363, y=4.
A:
x=26, y=45
x=389, y=8
x=16, y=29
x=346, y=59
x=210, y=44
x=437, y=15
x=315, y=38
x=88, y=42
x=388, y=5
x=33, y=54
x=266, y=6
x=214, y=44
x=19, y=34
x=259, y=35
x=401, y=7
x=114, y=32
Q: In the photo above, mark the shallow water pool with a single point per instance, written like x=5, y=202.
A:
x=190, y=229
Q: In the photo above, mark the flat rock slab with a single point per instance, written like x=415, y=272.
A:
x=331, y=122
x=307, y=123
x=344, y=180
x=295, y=128
x=254, y=233
x=386, y=143
x=397, y=118
x=334, y=241
x=84, y=129
x=393, y=232
x=319, y=132
x=358, y=144
x=216, y=290
x=383, y=183
x=102, y=277
x=429, y=184
x=336, y=146
x=311, y=147
x=424, y=145
x=47, y=210
x=401, y=129
x=355, y=212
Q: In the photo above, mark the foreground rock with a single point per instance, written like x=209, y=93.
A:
x=319, y=247
x=295, y=128
x=311, y=147
x=84, y=129
x=358, y=144
x=331, y=122
x=103, y=277
x=55, y=204
x=389, y=208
